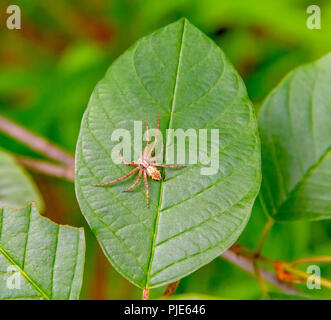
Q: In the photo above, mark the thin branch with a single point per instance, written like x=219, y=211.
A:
x=320, y=259
x=47, y=168
x=257, y=253
x=170, y=289
x=35, y=142
x=258, y=275
x=324, y=282
x=264, y=235
x=247, y=265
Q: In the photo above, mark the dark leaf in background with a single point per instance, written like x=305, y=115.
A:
x=295, y=127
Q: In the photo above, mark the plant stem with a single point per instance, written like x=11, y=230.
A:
x=311, y=260
x=257, y=254
x=35, y=142
x=264, y=235
x=247, y=265
x=304, y=275
x=170, y=289
x=47, y=168
x=145, y=294
x=259, y=278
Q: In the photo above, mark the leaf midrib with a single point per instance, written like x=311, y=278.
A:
x=24, y=274
x=13, y=262
x=173, y=102
x=311, y=169
x=304, y=178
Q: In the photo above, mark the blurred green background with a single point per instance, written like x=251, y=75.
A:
x=49, y=68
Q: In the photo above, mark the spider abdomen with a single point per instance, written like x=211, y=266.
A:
x=144, y=165
x=153, y=172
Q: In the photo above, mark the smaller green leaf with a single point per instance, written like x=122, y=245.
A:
x=295, y=127
x=16, y=187
x=38, y=258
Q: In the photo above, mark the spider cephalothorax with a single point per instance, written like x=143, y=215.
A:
x=144, y=165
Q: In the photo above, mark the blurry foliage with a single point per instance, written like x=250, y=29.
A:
x=49, y=68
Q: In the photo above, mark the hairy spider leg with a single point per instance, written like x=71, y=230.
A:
x=156, y=136
x=132, y=163
x=148, y=139
x=167, y=166
x=160, y=155
x=137, y=181
x=147, y=192
x=118, y=179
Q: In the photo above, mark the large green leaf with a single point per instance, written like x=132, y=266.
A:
x=180, y=74
x=39, y=259
x=295, y=126
x=16, y=187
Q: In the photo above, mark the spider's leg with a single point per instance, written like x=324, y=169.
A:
x=138, y=180
x=157, y=133
x=147, y=192
x=118, y=179
x=129, y=164
x=148, y=139
x=160, y=155
x=167, y=166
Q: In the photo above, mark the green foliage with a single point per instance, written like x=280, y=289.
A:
x=295, y=128
x=48, y=258
x=49, y=69
x=180, y=74
x=16, y=187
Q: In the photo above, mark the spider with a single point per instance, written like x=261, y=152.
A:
x=144, y=165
